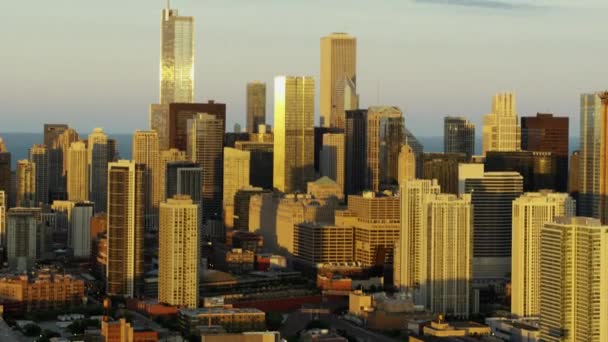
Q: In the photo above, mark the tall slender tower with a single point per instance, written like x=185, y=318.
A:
x=406, y=165
x=236, y=177
x=39, y=155
x=58, y=163
x=590, y=165
x=98, y=169
x=146, y=152
x=338, y=78
x=458, y=135
x=178, y=252
x=5, y=171
x=78, y=176
x=167, y=157
x=256, y=105
x=501, y=130
x=385, y=135
x=3, y=207
x=26, y=184
x=574, y=280
x=294, y=105
x=530, y=212
x=333, y=157
x=125, y=228
x=356, y=148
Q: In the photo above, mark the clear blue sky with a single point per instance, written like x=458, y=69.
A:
x=95, y=63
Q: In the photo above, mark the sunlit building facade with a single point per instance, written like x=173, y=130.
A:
x=385, y=135
x=98, y=169
x=146, y=152
x=26, y=183
x=458, y=136
x=501, y=129
x=77, y=172
x=39, y=155
x=256, y=106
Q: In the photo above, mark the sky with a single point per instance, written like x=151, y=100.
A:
x=95, y=63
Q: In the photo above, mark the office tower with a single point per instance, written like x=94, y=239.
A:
x=539, y=169
x=338, y=78
x=492, y=196
x=603, y=164
x=444, y=168
x=5, y=172
x=166, y=157
x=242, y=198
x=231, y=138
x=546, y=133
x=236, y=177
x=319, y=132
x=26, y=184
x=39, y=155
x=3, y=208
x=181, y=113
x=113, y=154
x=410, y=266
x=589, y=165
x=320, y=243
x=501, y=130
x=63, y=220
x=466, y=171
x=574, y=174
x=52, y=132
x=206, y=148
x=385, y=135
x=573, y=279
x=375, y=218
x=22, y=226
x=294, y=132
x=125, y=229
x=458, y=136
x=356, y=148
x=58, y=163
x=261, y=159
x=333, y=157
x=98, y=169
x=417, y=147
x=406, y=165
x=530, y=213
x=80, y=229
x=145, y=152
x=448, y=223
x=264, y=134
x=77, y=172
x=176, y=58
x=178, y=252
x=184, y=178
x=256, y=105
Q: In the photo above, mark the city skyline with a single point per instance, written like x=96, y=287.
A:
x=408, y=77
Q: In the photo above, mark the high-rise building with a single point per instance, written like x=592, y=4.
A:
x=181, y=113
x=319, y=132
x=293, y=164
x=26, y=184
x=80, y=229
x=338, y=78
x=166, y=157
x=573, y=279
x=3, y=208
x=385, y=135
x=530, y=213
x=206, y=148
x=355, y=150
x=178, y=252
x=146, y=152
x=407, y=164
x=236, y=177
x=98, y=169
x=444, y=168
x=125, y=228
x=176, y=58
x=256, y=105
x=589, y=170
x=316, y=243
x=539, y=169
x=448, y=224
x=22, y=230
x=77, y=172
x=5, y=172
x=574, y=175
x=546, y=133
x=39, y=155
x=242, y=198
x=58, y=164
x=458, y=136
x=466, y=171
x=333, y=157
x=492, y=196
x=417, y=148
x=410, y=264
x=261, y=157
x=501, y=130
x=52, y=132
x=63, y=219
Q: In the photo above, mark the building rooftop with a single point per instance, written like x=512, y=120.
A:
x=218, y=311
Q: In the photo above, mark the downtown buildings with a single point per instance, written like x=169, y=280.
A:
x=501, y=130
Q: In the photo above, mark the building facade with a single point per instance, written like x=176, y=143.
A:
x=333, y=157
x=385, y=135
x=26, y=184
x=501, y=130
x=77, y=172
x=458, y=136
x=256, y=106
x=98, y=169
x=39, y=155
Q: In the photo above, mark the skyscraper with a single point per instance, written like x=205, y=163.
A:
x=58, y=163
x=22, y=229
x=256, y=105
x=338, y=78
x=186, y=178
x=530, y=213
x=180, y=113
x=39, y=155
x=406, y=165
x=178, y=252
x=573, y=279
x=294, y=132
x=52, y=132
x=77, y=172
x=5, y=172
x=98, y=169
x=356, y=148
x=166, y=157
x=385, y=135
x=80, y=229
x=410, y=264
x=261, y=157
x=125, y=228
x=146, y=152
x=539, y=169
x=501, y=130
x=574, y=174
x=444, y=168
x=206, y=148
x=492, y=197
x=26, y=184
x=333, y=157
x=3, y=208
x=236, y=177
x=458, y=136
